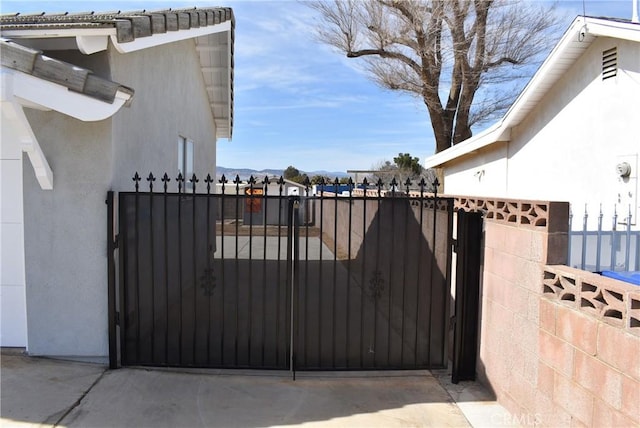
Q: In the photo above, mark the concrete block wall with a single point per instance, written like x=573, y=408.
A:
x=508, y=363
x=557, y=346
x=590, y=346
x=350, y=224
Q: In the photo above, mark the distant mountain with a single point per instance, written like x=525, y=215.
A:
x=331, y=174
x=245, y=173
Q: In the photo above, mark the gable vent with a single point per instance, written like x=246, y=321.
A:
x=609, y=63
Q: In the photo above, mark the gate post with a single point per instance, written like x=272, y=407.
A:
x=293, y=237
x=465, y=342
x=111, y=288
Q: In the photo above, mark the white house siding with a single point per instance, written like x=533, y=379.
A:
x=568, y=147
x=65, y=238
x=170, y=101
x=13, y=316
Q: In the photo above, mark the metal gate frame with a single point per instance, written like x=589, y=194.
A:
x=295, y=266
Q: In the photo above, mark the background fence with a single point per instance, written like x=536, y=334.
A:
x=614, y=248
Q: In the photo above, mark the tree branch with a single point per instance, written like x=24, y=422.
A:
x=425, y=47
x=500, y=61
x=385, y=54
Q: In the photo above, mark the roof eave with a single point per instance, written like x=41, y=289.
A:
x=89, y=41
x=578, y=37
x=35, y=92
x=133, y=31
x=491, y=135
x=224, y=122
x=615, y=29
x=224, y=125
x=168, y=37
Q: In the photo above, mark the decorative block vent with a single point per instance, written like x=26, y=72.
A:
x=518, y=212
x=609, y=63
x=634, y=311
x=538, y=215
x=602, y=302
x=562, y=287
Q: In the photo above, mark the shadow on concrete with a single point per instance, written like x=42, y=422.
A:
x=43, y=391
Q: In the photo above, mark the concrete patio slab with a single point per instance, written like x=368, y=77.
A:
x=158, y=398
x=39, y=391
x=476, y=402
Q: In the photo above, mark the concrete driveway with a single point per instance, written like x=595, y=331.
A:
x=43, y=391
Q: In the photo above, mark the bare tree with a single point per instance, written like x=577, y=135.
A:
x=384, y=171
x=430, y=47
x=404, y=167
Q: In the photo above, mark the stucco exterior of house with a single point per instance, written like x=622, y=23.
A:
x=172, y=75
x=568, y=133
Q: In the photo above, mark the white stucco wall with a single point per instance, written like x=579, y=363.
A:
x=65, y=228
x=567, y=149
x=169, y=85
x=65, y=238
x=483, y=174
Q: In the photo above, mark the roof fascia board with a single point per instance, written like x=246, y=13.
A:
x=91, y=40
x=88, y=41
x=614, y=29
x=57, y=33
x=539, y=78
x=168, y=37
x=29, y=90
x=489, y=136
x=582, y=31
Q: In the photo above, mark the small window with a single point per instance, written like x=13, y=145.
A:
x=609, y=63
x=185, y=161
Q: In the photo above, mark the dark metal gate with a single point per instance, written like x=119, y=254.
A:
x=467, y=301
x=354, y=280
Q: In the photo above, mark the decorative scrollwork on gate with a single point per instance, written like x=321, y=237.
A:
x=376, y=285
x=208, y=282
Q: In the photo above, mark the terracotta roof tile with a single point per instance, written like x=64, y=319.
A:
x=128, y=24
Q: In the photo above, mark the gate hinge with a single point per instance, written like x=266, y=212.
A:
x=454, y=245
x=116, y=239
x=117, y=317
x=452, y=322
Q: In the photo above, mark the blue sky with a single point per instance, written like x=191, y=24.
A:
x=298, y=102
